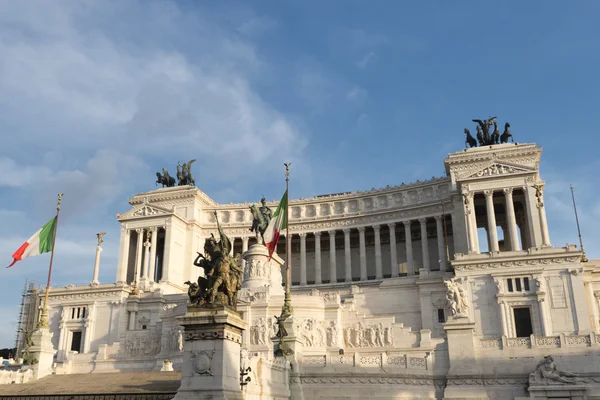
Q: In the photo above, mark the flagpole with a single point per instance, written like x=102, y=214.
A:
x=287, y=310
x=44, y=319
x=583, y=257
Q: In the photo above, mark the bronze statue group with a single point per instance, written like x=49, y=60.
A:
x=484, y=137
x=222, y=273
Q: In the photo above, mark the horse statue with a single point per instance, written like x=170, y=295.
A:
x=165, y=179
x=470, y=139
x=485, y=128
x=259, y=223
x=496, y=134
x=504, y=137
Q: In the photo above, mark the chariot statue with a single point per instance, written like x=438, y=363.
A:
x=223, y=273
x=184, y=173
x=165, y=179
x=261, y=217
x=485, y=137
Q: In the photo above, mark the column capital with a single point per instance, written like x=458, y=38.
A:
x=317, y=234
x=422, y=220
x=245, y=239
x=346, y=231
x=376, y=228
x=361, y=229
x=138, y=230
x=407, y=224
x=508, y=191
x=391, y=225
x=488, y=193
x=302, y=235
x=438, y=217
x=468, y=196
x=331, y=233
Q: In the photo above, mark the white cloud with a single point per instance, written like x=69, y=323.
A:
x=366, y=60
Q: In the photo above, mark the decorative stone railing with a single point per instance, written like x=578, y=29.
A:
x=366, y=360
x=8, y=377
x=552, y=342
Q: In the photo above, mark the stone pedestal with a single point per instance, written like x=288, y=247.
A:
x=211, y=354
x=260, y=272
x=42, y=351
x=461, y=352
x=558, y=392
x=291, y=350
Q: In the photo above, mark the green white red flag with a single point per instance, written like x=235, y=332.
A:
x=40, y=242
x=278, y=223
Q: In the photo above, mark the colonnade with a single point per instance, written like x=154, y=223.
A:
x=345, y=275
x=511, y=234
x=145, y=263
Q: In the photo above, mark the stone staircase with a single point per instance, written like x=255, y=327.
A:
x=96, y=386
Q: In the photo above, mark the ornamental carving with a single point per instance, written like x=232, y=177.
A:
x=513, y=264
x=140, y=345
x=174, y=340
x=457, y=298
x=311, y=332
x=202, y=360
x=257, y=269
x=214, y=335
x=546, y=373
x=262, y=329
x=361, y=335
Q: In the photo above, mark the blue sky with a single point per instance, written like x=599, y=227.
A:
x=96, y=96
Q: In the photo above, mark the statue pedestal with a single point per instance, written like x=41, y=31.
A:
x=575, y=392
x=291, y=350
x=260, y=272
x=42, y=351
x=211, y=354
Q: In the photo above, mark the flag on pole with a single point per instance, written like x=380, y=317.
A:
x=277, y=224
x=40, y=242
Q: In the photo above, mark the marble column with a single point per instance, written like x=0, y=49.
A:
x=441, y=242
x=153, y=244
x=138, y=254
x=124, y=259
x=543, y=221
x=318, y=279
x=511, y=220
x=96, y=266
x=393, y=251
x=332, y=262
x=347, y=257
x=424, y=243
x=166, y=262
x=491, y=217
x=409, y=250
x=589, y=286
x=244, y=249
x=363, y=254
x=543, y=316
x=471, y=222
x=378, y=265
x=232, y=239
x=302, y=258
x=147, y=258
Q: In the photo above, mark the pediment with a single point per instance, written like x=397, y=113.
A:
x=144, y=210
x=496, y=169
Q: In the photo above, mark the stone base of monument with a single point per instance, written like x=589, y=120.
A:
x=544, y=392
x=211, y=353
x=260, y=272
x=41, y=353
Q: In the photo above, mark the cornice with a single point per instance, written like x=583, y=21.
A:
x=527, y=261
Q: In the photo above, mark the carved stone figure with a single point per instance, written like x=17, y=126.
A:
x=165, y=179
x=184, y=173
x=281, y=331
x=100, y=236
x=457, y=299
x=470, y=139
x=376, y=335
x=223, y=274
x=546, y=373
x=261, y=218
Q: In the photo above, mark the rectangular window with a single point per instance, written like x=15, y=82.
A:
x=441, y=316
x=518, y=284
x=83, y=313
x=76, y=342
x=523, y=326
x=509, y=285
x=73, y=313
x=526, y=284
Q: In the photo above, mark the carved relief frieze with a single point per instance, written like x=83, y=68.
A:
x=262, y=329
x=513, y=264
x=362, y=335
x=146, y=343
x=221, y=334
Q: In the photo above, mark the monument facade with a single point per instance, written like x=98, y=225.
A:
x=448, y=288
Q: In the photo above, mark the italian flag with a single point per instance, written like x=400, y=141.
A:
x=40, y=242
x=277, y=224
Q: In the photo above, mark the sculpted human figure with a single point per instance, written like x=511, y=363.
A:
x=457, y=298
x=546, y=369
x=261, y=218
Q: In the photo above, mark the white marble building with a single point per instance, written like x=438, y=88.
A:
x=395, y=294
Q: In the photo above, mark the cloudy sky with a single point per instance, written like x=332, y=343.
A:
x=96, y=96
